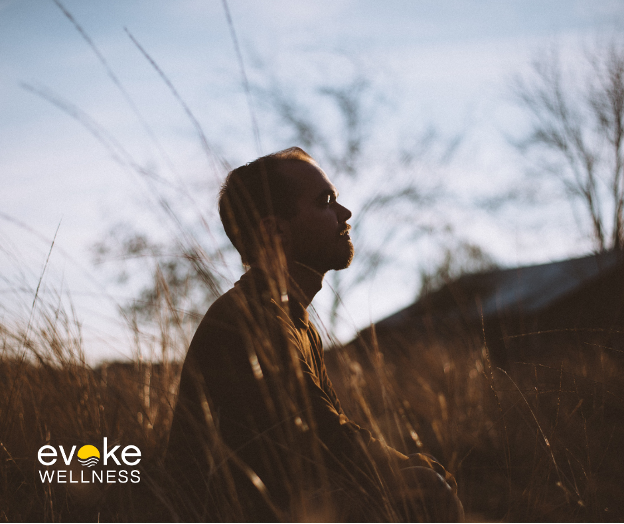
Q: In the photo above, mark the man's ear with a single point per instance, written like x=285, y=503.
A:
x=277, y=227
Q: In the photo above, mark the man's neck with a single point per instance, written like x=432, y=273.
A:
x=304, y=283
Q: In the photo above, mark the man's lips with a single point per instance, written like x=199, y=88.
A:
x=345, y=232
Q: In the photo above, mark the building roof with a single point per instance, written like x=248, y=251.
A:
x=533, y=288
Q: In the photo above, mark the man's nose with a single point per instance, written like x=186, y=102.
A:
x=344, y=214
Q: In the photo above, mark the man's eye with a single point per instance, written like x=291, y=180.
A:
x=327, y=199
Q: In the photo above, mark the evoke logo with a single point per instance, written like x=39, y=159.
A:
x=89, y=456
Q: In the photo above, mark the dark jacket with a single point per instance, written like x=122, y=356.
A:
x=258, y=426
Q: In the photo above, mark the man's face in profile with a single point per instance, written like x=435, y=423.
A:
x=319, y=233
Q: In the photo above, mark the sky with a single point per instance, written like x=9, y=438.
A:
x=69, y=135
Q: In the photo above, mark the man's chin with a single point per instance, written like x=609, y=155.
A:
x=345, y=261
x=341, y=259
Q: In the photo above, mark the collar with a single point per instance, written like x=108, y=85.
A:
x=257, y=283
x=298, y=313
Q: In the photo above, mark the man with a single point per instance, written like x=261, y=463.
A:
x=258, y=432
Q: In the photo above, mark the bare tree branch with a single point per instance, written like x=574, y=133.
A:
x=581, y=128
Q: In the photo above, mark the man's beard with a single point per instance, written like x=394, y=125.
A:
x=322, y=261
x=345, y=261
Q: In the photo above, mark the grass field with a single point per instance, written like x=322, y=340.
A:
x=540, y=441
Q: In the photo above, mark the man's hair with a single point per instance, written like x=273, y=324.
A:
x=255, y=191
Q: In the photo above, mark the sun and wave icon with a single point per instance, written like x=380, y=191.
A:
x=88, y=455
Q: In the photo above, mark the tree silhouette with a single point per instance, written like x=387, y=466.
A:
x=577, y=133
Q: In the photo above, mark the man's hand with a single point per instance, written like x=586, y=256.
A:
x=425, y=460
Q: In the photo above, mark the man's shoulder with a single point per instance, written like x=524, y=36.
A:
x=239, y=317
x=219, y=330
x=223, y=312
x=245, y=302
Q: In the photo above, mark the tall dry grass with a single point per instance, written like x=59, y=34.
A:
x=542, y=440
x=50, y=395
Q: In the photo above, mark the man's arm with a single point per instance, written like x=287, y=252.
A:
x=377, y=449
x=345, y=440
